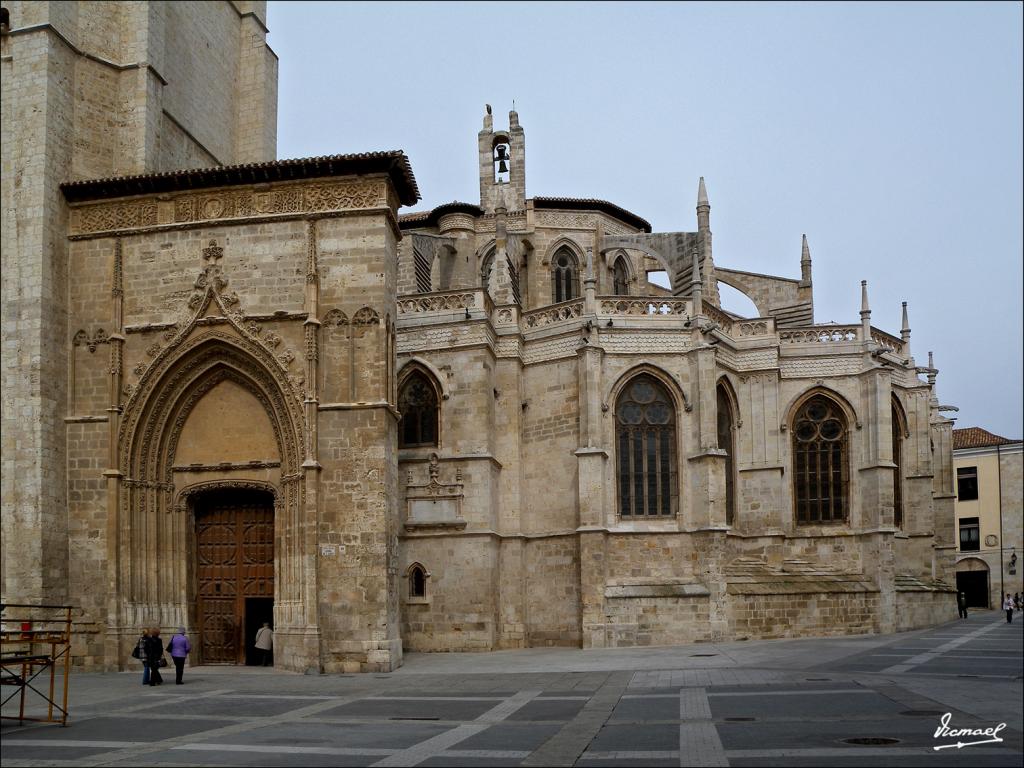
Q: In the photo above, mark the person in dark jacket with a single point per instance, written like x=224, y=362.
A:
x=154, y=652
x=179, y=647
x=140, y=654
x=961, y=604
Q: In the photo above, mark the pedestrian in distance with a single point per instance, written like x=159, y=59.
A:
x=154, y=655
x=961, y=604
x=139, y=652
x=265, y=643
x=1008, y=607
x=1016, y=600
x=179, y=647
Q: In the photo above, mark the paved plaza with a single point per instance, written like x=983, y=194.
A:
x=779, y=702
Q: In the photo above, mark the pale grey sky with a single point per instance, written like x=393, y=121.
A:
x=890, y=133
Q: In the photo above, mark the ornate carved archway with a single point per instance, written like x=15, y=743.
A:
x=152, y=569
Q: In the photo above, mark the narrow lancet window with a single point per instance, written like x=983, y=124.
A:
x=897, y=459
x=564, y=276
x=726, y=443
x=620, y=277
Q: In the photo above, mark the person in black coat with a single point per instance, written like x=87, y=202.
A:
x=154, y=650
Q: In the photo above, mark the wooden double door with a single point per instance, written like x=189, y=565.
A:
x=234, y=572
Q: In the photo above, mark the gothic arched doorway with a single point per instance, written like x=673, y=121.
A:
x=234, y=571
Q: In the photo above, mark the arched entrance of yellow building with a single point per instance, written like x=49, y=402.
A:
x=972, y=575
x=234, y=572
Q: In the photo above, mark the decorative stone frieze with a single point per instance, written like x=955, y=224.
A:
x=230, y=204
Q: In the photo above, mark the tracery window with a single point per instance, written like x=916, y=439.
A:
x=646, y=442
x=417, y=581
x=417, y=402
x=820, y=476
x=564, y=276
x=725, y=443
x=620, y=277
x=897, y=458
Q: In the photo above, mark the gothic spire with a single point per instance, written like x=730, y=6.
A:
x=703, y=208
x=805, y=262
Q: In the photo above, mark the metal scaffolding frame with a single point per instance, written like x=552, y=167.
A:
x=34, y=639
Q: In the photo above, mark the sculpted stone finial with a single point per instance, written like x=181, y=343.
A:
x=805, y=262
x=865, y=313
x=213, y=252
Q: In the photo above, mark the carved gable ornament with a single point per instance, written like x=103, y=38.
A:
x=211, y=304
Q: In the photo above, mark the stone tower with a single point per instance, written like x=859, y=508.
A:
x=94, y=90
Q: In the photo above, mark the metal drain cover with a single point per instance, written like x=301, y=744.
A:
x=695, y=655
x=740, y=719
x=870, y=741
x=922, y=713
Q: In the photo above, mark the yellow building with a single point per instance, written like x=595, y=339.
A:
x=988, y=515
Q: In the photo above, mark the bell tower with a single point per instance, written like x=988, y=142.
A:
x=502, y=156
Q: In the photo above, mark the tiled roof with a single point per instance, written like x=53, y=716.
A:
x=976, y=437
x=395, y=163
x=430, y=218
x=591, y=204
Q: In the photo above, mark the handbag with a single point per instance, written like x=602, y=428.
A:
x=162, y=662
x=135, y=653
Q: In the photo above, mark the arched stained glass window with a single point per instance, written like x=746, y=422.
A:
x=726, y=443
x=820, y=472
x=564, y=276
x=645, y=431
x=620, y=277
x=417, y=402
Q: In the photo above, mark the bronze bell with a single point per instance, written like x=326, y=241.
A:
x=502, y=166
x=501, y=152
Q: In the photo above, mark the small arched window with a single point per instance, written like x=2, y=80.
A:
x=620, y=277
x=898, y=430
x=417, y=402
x=564, y=276
x=726, y=443
x=645, y=431
x=820, y=473
x=417, y=581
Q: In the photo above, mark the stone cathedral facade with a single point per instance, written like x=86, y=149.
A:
x=239, y=389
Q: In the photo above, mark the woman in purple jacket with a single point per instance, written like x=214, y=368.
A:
x=178, y=647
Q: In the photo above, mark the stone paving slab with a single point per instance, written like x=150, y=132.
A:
x=636, y=736
x=398, y=709
x=511, y=736
x=645, y=709
x=549, y=710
